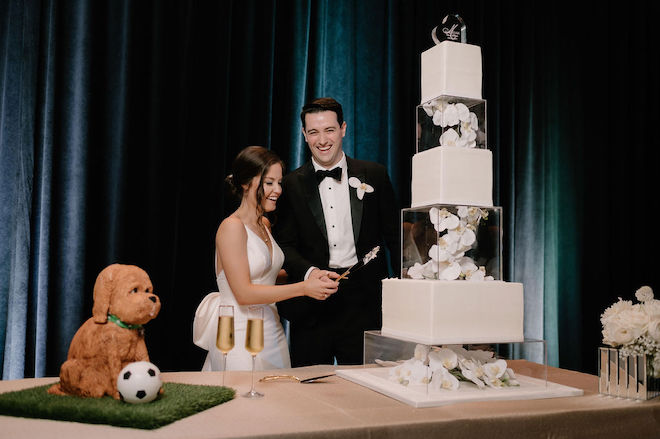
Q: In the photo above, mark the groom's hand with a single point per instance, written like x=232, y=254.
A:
x=323, y=274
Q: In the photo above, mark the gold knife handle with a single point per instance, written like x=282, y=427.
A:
x=279, y=377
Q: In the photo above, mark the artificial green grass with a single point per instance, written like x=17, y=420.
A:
x=176, y=402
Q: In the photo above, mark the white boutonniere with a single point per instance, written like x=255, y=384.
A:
x=362, y=188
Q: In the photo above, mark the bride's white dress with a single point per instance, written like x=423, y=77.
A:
x=264, y=268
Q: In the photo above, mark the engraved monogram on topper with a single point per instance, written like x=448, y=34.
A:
x=452, y=28
x=451, y=33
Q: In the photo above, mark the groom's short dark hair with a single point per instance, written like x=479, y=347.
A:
x=322, y=104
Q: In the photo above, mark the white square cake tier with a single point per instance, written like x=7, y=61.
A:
x=451, y=68
x=436, y=312
x=452, y=175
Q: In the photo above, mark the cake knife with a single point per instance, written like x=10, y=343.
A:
x=294, y=378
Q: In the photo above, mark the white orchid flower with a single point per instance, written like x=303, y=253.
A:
x=361, y=188
x=430, y=270
x=400, y=374
x=495, y=383
x=475, y=214
x=480, y=356
x=463, y=236
x=437, y=118
x=461, y=352
x=463, y=112
x=468, y=139
x=448, y=270
x=444, y=249
x=468, y=237
x=442, y=219
x=469, y=269
x=495, y=369
x=437, y=216
x=443, y=379
x=449, y=138
x=449, y=222
x=415, y=272
x=474, y=121
x=509, y=378
x=419, y=372
x=471, y=215
x=434, y=214
x=467, y=264
x=443, y=357
x=469, y=122
x=476, y=275
x=428, y=109
x=476, y=355
x=473, y=372
x=434, y=105
x=437, y=253
x=449, y=116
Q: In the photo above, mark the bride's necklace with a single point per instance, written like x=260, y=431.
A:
x=258, y=228
x=264, y=233
x=261, y=232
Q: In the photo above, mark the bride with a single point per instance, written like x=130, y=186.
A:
x=248, y=261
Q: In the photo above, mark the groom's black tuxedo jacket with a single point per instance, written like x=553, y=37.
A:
x=300, y=231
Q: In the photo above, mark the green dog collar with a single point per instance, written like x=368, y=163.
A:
x=114, y=319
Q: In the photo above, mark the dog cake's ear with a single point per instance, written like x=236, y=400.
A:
x=102, y=292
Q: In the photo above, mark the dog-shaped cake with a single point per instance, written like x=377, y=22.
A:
x=113, y=337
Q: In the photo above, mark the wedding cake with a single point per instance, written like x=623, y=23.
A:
x=450, y=289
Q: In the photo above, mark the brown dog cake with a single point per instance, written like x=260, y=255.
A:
x=113, y=337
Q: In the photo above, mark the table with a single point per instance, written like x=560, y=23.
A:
x=336, y=408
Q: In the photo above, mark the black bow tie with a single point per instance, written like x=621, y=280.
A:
x=334, y=173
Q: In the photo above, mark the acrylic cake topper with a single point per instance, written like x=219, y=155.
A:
x=452, y=28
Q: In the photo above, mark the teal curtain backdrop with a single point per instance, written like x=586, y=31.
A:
x=119, y=120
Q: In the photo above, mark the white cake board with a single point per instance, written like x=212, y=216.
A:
x=417, y=396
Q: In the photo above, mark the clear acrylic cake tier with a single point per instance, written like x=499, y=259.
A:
x=448, y=242
x=386, y=350
x=451, y=121
x=409, y=372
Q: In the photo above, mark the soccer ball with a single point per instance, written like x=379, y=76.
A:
x=139, y=382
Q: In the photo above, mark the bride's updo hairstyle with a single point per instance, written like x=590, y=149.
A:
x=251, y=162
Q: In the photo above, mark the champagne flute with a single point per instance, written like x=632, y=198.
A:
x=224, y=340
x=254, y=341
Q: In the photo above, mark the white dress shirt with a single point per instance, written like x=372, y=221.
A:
x=336, y=203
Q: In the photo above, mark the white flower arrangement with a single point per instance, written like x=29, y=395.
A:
x=445, y=367
x=360, y=187
x=635, y=328
x=461, y=124
x=447, y=257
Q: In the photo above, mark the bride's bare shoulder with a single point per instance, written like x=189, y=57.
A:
x=231, y=226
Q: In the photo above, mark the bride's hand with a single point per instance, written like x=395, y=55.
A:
x=320, y=288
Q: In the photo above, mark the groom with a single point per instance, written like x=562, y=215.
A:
x=332, y=212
